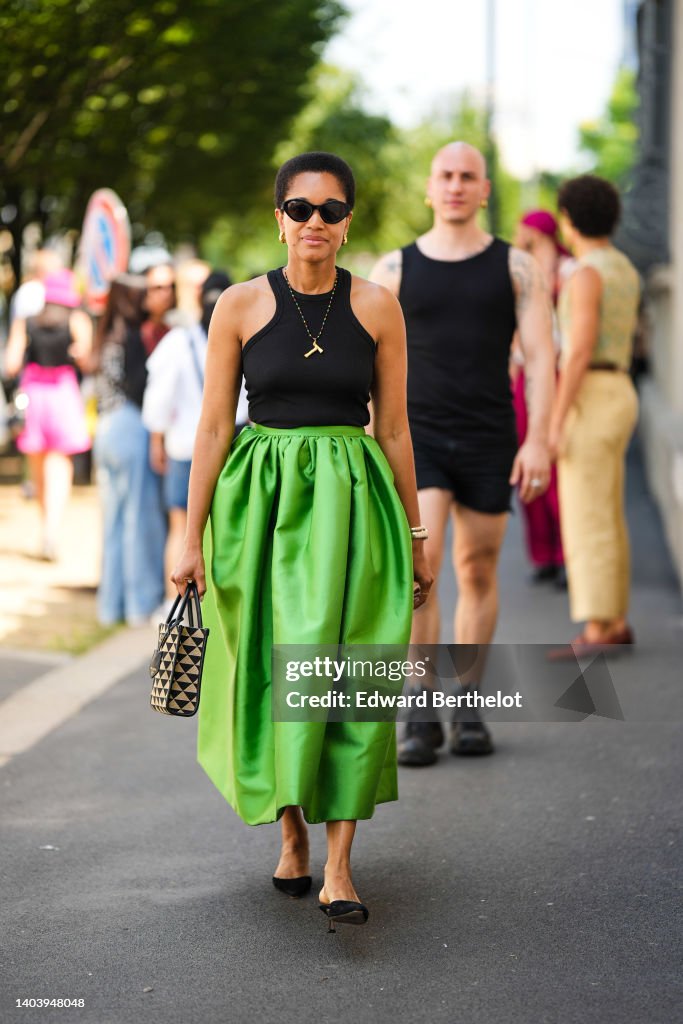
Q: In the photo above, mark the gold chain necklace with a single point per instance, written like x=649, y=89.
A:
x=314, y=338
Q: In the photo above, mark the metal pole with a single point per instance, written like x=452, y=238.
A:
x=489, y=144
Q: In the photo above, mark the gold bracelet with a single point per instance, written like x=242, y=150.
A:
x=419, y=533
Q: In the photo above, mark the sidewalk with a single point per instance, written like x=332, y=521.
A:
x=48, y=606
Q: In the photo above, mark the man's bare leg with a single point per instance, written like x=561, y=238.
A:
x=476, y=550
x=423, y=737
x=435, y=505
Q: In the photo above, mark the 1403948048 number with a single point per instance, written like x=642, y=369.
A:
x=50, y=1002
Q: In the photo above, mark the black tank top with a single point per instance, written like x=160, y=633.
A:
x=48, y=344
x=332, y=389
x=460, y=317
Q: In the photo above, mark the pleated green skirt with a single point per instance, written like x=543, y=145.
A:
x=307, y=543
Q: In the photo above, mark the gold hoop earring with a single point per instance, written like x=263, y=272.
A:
x=428, y=201
x=484, y=203
x=345, y=239
x=281, y=238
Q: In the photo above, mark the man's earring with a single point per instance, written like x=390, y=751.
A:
x=281, y=237
x=484, y=203
x=428, y=201
x=345, y=239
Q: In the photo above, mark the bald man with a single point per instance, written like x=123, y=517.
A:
x=464, y=293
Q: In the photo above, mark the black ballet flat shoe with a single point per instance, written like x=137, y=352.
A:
x=344, y=912
x=294, y=887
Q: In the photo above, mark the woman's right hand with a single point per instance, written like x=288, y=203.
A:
x=190, y=567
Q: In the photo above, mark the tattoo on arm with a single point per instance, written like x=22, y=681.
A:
x=529, y=286
x=393, y=263
x=388, y=271
x=524, y=274
x=534, y=318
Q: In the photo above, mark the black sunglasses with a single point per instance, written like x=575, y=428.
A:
x=332, y=211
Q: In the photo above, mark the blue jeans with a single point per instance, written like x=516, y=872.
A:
x=176, y=483
x=132, y=583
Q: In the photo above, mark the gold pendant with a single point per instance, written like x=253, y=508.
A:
x=316, y=348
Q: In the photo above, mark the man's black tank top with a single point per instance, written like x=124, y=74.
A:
x=460, y=317
x=333, y=389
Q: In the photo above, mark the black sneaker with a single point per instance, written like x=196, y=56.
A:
x=543, y=574
x=470, y=738
x=560, y=581
x=420, y=744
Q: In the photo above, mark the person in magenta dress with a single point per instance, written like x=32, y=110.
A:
x=46, y=349
x=538, y=234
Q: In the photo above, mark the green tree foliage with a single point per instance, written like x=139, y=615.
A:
x=332, y=120
x=391, y=166
x=459, y=119
x=176, y=106
x=539, y=192
x=611, y=142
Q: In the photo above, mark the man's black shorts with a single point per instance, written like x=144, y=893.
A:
x=477, y=475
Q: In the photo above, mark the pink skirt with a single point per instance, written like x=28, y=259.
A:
x=55, y=415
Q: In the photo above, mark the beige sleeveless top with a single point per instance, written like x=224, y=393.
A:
x=618, y=306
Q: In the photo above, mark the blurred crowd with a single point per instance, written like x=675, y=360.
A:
x=126, y=389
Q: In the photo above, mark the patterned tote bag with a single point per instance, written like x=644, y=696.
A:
x=176, y=665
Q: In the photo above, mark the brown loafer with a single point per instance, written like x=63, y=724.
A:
x=581, y=647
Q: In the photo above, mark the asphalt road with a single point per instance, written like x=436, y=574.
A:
x=538, y=885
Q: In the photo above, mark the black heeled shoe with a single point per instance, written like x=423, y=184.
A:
x=294, y=887
x=344, y=912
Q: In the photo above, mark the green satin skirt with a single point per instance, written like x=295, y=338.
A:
x=307, y=543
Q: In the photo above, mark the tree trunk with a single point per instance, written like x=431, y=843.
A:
x=14, y=196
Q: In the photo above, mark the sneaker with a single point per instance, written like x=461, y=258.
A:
x=560, y=581
x=48, y=550
x=422, y=740
x=48, y=553
x=139, y=621
x=470, y=738
x=543, y=574
x=160, y=614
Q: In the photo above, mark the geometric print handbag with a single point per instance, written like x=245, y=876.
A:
x=176, y=665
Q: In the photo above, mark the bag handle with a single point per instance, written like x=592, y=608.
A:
x=190, y=601
x=195, y=359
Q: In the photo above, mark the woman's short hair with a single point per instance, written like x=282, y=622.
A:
x=592, y=205
x=319, y=163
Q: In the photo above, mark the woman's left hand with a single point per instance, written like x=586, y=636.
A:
x=422, y=574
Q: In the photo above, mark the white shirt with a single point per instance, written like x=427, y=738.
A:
x=173, y=393
x=28, y=300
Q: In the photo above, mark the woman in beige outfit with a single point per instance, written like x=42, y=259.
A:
x=595, y=412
